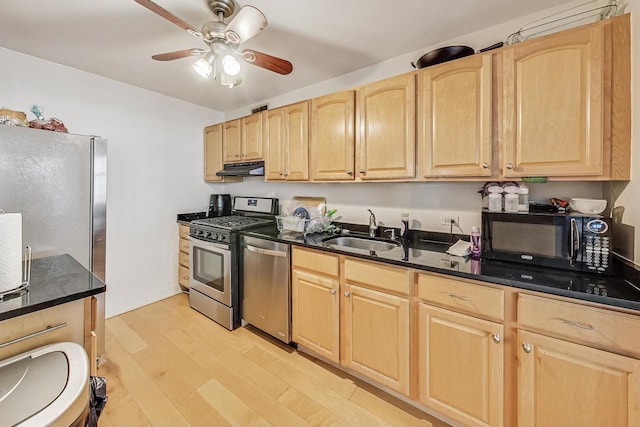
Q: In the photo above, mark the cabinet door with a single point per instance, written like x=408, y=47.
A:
x=375, y=336
x=553, y=106
x=566, y=384
x=274, y=142
x=455, y=118
x=252, y=137
x=315, y=315
x=233, y=141
x=386, y=129
x=332, y=139
x=212, y=152
x=297, y=142
x=460, y=366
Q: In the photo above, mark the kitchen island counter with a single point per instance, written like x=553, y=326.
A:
x=432, y=257
x=55, y=280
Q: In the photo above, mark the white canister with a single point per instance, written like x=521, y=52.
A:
x=495, y=202
x=511, y=202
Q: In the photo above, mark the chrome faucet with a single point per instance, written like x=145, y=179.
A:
x=372, y=224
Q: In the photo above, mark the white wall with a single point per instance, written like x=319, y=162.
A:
x=155, y=166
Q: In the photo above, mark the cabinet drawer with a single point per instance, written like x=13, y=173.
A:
x=183, y=259
x=379, y=276
x=45, y=321
x=184, y=231
x=468, y=297
x=183, y=276
x=184, y=245
x=326, y=264
x=590, y=325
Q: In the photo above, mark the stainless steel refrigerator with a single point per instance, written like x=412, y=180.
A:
x=58, y=182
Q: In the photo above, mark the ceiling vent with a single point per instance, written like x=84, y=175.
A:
x=260, y=108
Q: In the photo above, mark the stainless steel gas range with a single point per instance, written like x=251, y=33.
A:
x=214, y=250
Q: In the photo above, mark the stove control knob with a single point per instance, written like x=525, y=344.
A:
x=208, y=234
x=221, y=238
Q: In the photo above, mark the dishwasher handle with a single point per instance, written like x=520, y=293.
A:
x=266, y=251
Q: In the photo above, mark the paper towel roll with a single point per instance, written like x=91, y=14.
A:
x=10, y=251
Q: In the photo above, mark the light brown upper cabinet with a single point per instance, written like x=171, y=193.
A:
x=565, y=104
x=243, y=139
x=286, y=138
x=455, y=118
x=332, y=139
x=385, y=137
x=213, y=152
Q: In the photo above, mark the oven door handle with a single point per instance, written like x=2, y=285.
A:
x=575, y=241
x=266, y=251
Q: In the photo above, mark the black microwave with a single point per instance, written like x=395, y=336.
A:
x=549, y=239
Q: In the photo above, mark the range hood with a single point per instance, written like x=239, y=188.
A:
x=242, y=169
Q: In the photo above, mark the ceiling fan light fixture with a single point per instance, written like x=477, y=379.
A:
x=203, y=67
x=229, y=81
x=230, y=65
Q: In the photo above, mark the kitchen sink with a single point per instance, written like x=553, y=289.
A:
x=363, y=243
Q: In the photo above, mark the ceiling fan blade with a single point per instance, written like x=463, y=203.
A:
x=170, y=56
x=247, y=23
x=272, y=63
x=169, y=16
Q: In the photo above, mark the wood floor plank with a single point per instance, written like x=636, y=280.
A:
x=167, y=364
x=127, y=337
x=310, y=410
x=233, y=409
x=241, y=386
x=387, y=411
x=339, y=382
x=156, y=407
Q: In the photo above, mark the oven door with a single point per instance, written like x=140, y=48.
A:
x=210, y=271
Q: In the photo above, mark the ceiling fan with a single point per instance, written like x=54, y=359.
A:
x=222, y=42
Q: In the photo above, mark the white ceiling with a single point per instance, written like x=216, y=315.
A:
x=322, y=38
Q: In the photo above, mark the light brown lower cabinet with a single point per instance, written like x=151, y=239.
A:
x=375, y=336
x=461, y=366
x=315, y=305
x=477, y=354
x=183, y=256
x=566, y=384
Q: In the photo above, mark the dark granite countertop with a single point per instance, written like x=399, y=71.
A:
x=54, y=280
x=432, y=257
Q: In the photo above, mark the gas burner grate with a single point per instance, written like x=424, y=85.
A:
x=232, y=222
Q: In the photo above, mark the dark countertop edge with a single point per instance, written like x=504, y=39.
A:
x=609, y=301
x=52, y=303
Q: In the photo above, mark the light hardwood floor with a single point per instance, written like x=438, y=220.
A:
x=168, y=365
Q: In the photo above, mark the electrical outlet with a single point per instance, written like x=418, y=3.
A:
x=447, y=220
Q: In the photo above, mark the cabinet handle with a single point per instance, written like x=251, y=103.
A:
x=333, y=291
x=510, y=166
x=497, y=338
x=449, y=294
x=347, y=293
x=35, y=334
x=485, y=165
x=579, y=325
x=349, y=172
x=362, y=171
x=286, y=174
x=280, y=173
x=526, y=347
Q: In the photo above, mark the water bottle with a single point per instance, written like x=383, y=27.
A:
x=475, y=243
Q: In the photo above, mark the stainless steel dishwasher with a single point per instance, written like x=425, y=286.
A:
x=265, y=287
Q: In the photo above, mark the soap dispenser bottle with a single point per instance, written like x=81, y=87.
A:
x=475, y=243
x=404, y=226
